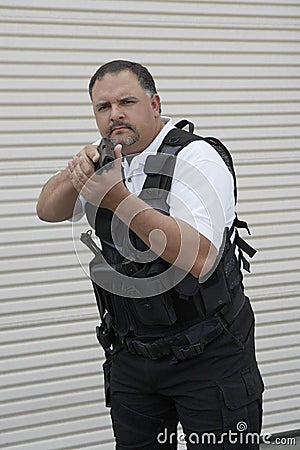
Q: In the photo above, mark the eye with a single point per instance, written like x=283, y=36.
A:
x=102, y=108
x=128, y=101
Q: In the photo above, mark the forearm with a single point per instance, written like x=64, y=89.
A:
x=173, y=240
x=57, y=199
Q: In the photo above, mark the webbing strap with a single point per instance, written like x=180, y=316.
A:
x=241, y=224
x=245, y=247
x=183, y=123
x=196, y=339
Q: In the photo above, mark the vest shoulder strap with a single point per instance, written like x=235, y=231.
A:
x=173, y=143
x=159, y=168
x=215, y=143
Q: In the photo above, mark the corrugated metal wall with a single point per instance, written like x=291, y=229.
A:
x=230, y=66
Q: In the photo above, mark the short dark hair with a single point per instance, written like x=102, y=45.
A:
x=144, y=76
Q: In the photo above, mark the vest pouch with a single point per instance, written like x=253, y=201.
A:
x=188, y=286
x=106, y=301
x=98, y=272
x=156, y=310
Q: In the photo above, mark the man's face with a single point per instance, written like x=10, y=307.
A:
x=124, y=112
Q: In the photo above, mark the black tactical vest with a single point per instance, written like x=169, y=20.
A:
x=188, y=302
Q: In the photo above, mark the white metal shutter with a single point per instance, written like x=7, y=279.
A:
x=233, y=68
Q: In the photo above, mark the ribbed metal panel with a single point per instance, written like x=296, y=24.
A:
x=230, y=66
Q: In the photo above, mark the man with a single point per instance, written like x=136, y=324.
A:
x=182, y=348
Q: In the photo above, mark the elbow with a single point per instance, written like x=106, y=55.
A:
x=46, y=213
x=205, y=264
x=56, y=200
x=49, y=212
x=43, y=213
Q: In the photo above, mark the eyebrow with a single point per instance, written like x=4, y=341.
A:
x=122, y=99
x=128, y=97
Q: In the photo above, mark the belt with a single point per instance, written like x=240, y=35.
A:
x=184, y=345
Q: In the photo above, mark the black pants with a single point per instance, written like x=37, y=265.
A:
x=216, y=396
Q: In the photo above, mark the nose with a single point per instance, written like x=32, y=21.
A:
x=116, y=113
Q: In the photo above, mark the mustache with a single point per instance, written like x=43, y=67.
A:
x=120, y=124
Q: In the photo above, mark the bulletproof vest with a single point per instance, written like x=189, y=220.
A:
x=188, y=301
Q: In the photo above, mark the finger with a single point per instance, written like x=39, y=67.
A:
x=92, y=152
x=76, y=183
x=71, y=165
x=118, y=151
x=86, y=167
x=81, y=164
x=80, y=177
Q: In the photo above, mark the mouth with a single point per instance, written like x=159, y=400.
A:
x=119, y=128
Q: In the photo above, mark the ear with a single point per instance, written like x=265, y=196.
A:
x=155, y=102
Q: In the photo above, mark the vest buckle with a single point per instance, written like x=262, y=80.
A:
x=191, y=351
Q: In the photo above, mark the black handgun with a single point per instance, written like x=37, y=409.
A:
x=106, y=153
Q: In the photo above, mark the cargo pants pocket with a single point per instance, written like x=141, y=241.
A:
x=241, y=408
x=136, y=431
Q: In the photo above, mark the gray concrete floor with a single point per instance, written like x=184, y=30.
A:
x=280, y=447
x=286, y=444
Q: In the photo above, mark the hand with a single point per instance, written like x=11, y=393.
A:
x=106, y=189
x=81, y=166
